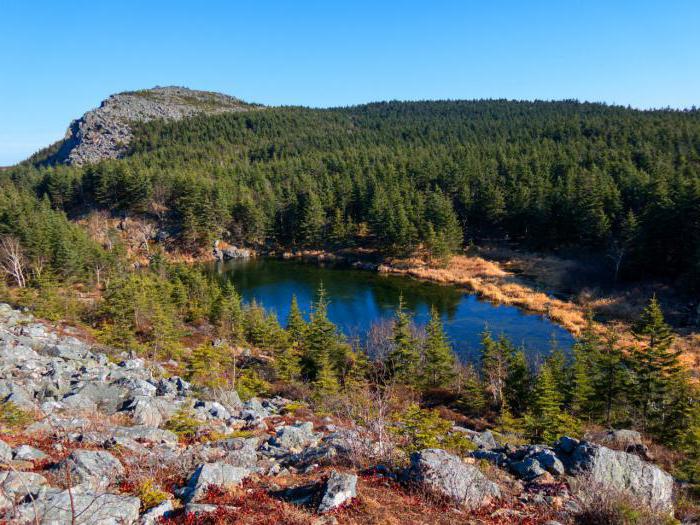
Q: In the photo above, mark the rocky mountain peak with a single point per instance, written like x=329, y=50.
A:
x=105, y=132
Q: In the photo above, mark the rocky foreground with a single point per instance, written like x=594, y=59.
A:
x=98, y=438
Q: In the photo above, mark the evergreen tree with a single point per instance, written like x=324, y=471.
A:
x=654, y=363
x=545, y=420
x=287, y=362
x=296, y=324
x=228, y=313
x=585, y=353
x=610, y=377
x=403, y=359
x=325, y=381
x=518, y=383
x=439, y=360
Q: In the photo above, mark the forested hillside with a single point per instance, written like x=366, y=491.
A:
x=398, y=175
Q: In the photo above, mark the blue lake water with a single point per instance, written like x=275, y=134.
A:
x=360, y=298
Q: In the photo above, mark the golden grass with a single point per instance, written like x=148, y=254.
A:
x=492, y=281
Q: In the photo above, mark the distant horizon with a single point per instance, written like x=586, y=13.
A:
x=638, y=54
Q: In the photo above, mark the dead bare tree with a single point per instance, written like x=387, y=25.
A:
x=12, y=259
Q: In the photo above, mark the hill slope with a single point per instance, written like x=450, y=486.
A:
x=105, y=132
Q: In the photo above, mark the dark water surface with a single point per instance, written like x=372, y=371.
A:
x=360, y=298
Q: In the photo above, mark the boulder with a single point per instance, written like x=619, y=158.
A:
x=339, y=488
x=89, y=508
x=153, y=515
x=484, y=440
x=17, y=485
x=218, y=474
x=618, y=471
x=294, y=437
x=95, y=468
x=447, y=475
x=527, y=469
x=144, y=411
x=549, y=461
x=28, y=453
x=5, y=452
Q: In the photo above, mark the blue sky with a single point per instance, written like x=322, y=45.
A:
x=59, y=59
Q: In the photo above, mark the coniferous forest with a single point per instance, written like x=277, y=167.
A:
x=396, y=175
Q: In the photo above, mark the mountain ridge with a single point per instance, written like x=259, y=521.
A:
x=106, y=131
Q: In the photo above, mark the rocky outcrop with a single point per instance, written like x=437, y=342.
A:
x=446, y=475
x=617, y=471
x=226, y=252
x=105, y=132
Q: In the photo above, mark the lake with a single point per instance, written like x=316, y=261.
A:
x=359, y=298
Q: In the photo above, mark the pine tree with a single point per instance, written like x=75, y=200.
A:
x=326, y=381
x=472, y=399
x=404, y=357
x=654, y=363
x=585, y=351
x=287, y=362
x=296, y=324
x=228, y=313
x=439, y=359
x=321, y=340
x=610, y=377
x=546, y=421
x=518, y=383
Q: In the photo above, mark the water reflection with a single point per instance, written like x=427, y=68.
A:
x=360, y=298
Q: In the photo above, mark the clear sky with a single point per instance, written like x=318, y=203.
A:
x=59, y=59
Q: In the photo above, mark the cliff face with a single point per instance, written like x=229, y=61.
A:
x=105, y=132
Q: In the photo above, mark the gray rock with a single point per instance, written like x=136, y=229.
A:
x=339, y=488
x=146, y=433
x=28, y=453
x=295, y=437
x=497, y=458
x=447, y=475
x=527, y=469
x=105, y=132
x=152, y=515
x=218, y=474
x=5, y=451
x=204, y=508
x=89, y=509
x=618, y=471
x=17, y=485
x=96, y=468
x=484, y=440
x=550, y=462
x=144, y=411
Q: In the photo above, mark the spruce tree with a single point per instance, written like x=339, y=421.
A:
x=228, y=313
x=610, y=377
x=545, y=420
x=404, y=357
x=296, y=324
x=439, y=359
x=325, y=381
x=321, y=340
x=584, y=352
x=653, y=362
x=518, y=383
